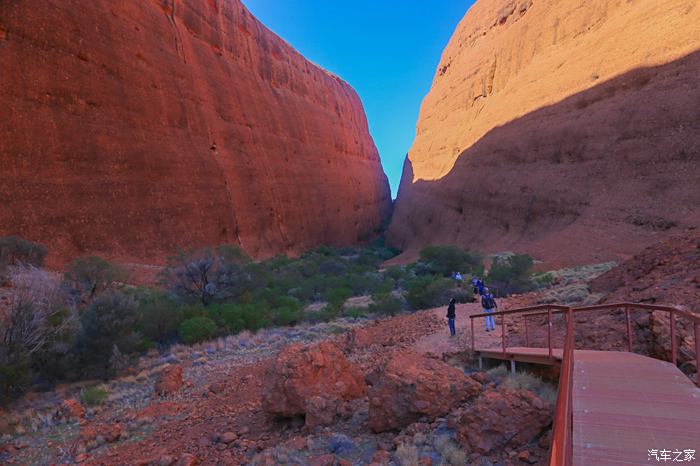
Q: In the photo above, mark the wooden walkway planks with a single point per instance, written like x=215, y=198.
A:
x=626, y=404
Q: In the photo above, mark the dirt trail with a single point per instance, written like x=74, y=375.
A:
x=440, y=342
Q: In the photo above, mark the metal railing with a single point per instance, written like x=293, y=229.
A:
x=561, y=448
x=550, y=310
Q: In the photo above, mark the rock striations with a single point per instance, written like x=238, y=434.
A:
x=569, y=130
x=133, y=128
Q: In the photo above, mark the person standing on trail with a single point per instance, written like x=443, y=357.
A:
x=488, y=302
x=458, y=278
x=481, y=288
x=475, y=285
x=451, y=316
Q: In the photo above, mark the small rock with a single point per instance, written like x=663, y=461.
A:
x=169, y=381
x=524, y=456
x=323, y=460
x=166, y=460
x=229, y=437
x=187, y=460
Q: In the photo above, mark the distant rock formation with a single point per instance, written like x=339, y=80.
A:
x=133, y=128
x=567, y=130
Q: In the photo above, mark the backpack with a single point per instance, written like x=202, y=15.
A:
x=489, y=302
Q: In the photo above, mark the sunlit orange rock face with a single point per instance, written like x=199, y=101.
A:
x=132, y=128
x=566, y=129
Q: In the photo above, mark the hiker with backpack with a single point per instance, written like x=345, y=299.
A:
x=488, y=302
x=451, y=316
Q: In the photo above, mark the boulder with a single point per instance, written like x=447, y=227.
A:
x=412, y=386
x=500, y=419
x=72, y=409
x=169, y=381
x=307, y=380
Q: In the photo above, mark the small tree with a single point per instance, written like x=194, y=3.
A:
x=207, y=275
x=513, y=274
x=109, y=320
x=445, y=260
x=159, y=315
x=15, y=250
x=34, y=326
x=87, y=277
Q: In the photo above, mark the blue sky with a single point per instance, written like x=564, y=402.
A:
x=387, y=50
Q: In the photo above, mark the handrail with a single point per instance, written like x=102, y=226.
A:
x=561, y=451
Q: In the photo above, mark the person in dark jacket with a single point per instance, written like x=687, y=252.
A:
x=451, y=316
x=488, y=302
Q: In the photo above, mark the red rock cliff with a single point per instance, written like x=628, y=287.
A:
x=566, y=129
x=132, y=128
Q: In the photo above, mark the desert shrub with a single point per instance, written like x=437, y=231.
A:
x=527, y=381
x=15, y=250
x=207, y=275
x=512, y=274
x=37, y=329
x=197, y=329
x=355, y=313
x=462, y=294
x=542, y=280
x=287, y=311
x=159, y=316
x=396, y=273
x=93, y=396
x=337, y=297
x=407, y=455
x=14, y=379
x=109, y=320
x=427, y=291
x=498, y=372
x=234, y=318
x=445, y=260
x=450, y=451
x=86, y=277
x=386, y=303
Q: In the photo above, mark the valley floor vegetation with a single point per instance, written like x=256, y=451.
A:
x=90, y=323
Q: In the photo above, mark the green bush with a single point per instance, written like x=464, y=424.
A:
x=427, y=291
x=86, y=277
x=445, y=260
x=512, y=274
x=287, y=311
x=17, y=250
x=109, y=321
x=462, y=294
x=355, y=313
x=159, y=315
x=386, y=303
x=234, y=318
x=14, y=379
x=93, y=396
x=337, y=297
x=208, y=275
x=197, y=329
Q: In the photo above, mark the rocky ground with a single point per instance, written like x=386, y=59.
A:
x=378, y=392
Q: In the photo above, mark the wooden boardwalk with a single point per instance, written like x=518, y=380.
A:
x=624, y=405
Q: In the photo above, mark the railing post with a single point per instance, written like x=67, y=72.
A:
x=697, y=353
x=503, y=333
x=549, y=330
x=629, y=329
x=674, y=348
x=527, y=334
x=473, y=342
